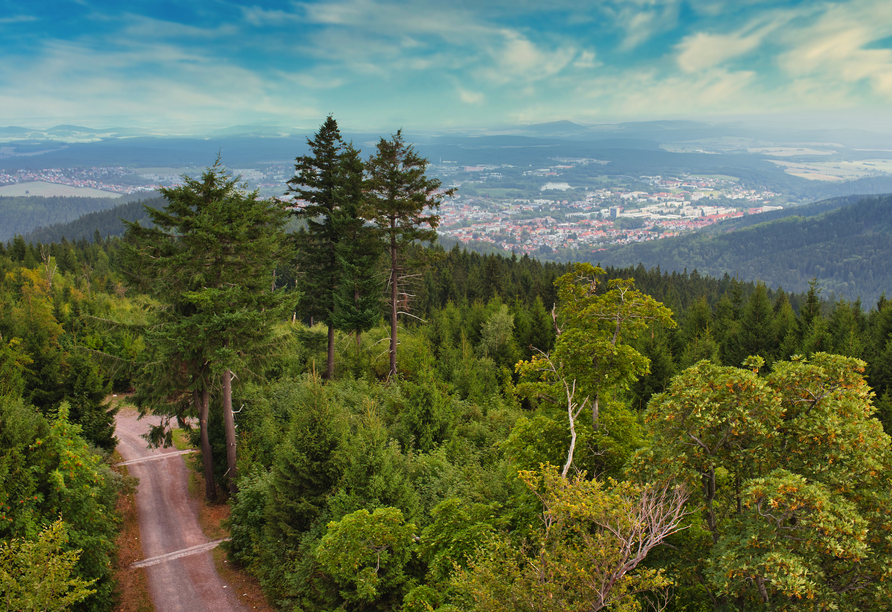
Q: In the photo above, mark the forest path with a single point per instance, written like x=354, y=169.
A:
x=176, y=554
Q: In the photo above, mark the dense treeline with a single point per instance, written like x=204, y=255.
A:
x=528, y=435
x=57, y=491
x=847, y=248
x=21, y=214
x=104, y=223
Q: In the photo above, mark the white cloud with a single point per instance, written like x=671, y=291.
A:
x=641, y=20
x=139, y=27
x=704, y=50
x=517, y=56
x=833, y=48
x=258, y=16
x=470, y=97
x=585, y=59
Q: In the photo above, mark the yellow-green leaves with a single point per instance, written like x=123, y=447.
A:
x=365, y=553
x=586, y=556
x=792, y=474
x=36, y=575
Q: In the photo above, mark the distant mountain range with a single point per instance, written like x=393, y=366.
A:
x=845, y=243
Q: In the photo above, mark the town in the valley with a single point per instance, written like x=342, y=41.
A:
x=538, y=211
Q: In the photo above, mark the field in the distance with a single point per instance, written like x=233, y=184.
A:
x=836, y=170
x=52, y=189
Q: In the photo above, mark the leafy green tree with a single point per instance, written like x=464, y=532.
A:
x=587, y=554
x=757, y=336
x=786, y=328
x=366, y=553
x=46, y=471
x=357, y=301
x=592, y=356
x=307, y=467
x=790, y=471
x=36, y=575
x=328, y=185
x=13, y=362
x=85, y=391
x=402, y=202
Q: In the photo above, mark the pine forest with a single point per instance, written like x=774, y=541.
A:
x=395, y=425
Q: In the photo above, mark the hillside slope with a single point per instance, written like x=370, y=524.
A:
x=106, y=222
x=848, y=249
x=21, y=214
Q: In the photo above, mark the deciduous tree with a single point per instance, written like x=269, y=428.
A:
x=791, y=473
x=585, y=557
x=591, y=354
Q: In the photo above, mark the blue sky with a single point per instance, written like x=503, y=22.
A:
x=380, y=65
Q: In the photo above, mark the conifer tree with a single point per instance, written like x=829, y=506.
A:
x=207, y=260
x=327, y=183
x=357, y=300
x=403, y=202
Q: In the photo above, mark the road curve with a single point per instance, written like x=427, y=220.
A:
x=182, y=580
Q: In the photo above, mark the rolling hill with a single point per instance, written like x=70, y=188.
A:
x=845, y=243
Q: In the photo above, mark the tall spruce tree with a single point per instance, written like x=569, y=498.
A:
x=402, y=204
x=207, y=260
x=357, y=300
x=328, y=185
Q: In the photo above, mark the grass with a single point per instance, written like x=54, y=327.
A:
x=54, y=189
x=132, y=584
x=181, y=439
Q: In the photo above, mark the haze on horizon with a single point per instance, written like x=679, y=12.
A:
x=380, y=65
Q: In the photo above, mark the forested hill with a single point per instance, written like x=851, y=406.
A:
x=106, y=222
x=847, y=249
x=21, y=214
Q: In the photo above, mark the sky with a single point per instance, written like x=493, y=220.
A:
x=381, y=65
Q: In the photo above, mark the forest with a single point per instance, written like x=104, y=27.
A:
x=428, y=429
x=845, y=242
x=21, y=214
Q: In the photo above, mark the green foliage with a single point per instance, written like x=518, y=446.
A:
x=592, y=357
x=336, y=251
x=366, y=554
x=594, y=535
x=306, y=468
x=398, y=195
x=789, y=469
x=457, y=529
x=46, y=471
x=13, y=362
x=208, y=260
x=86, y=392
x=36, y=575
x=424, y=413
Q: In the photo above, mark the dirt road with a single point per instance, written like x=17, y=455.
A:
x=176, y=554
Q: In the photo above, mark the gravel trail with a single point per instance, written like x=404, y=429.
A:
x=184, y=580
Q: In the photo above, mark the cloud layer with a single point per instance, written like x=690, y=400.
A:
x=379, y=64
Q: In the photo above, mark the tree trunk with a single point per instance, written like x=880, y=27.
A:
x=358, y=333
x=202, y=401
x=329, y=373
x=229, y=422
x=394, y=296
